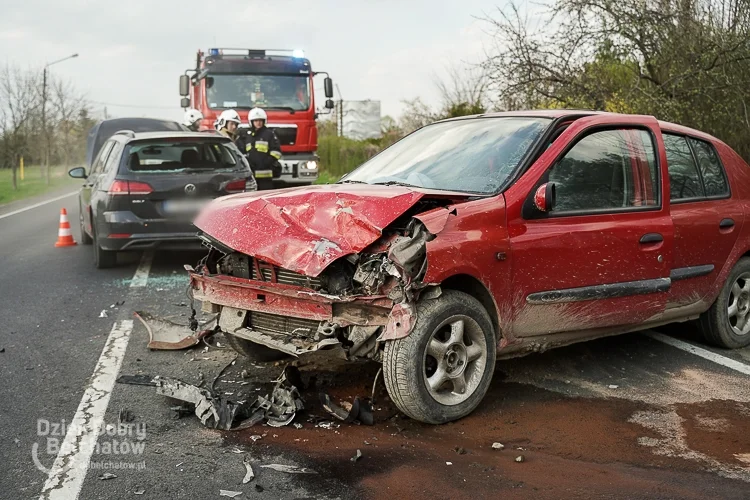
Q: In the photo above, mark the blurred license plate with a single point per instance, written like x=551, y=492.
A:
x=184, y=206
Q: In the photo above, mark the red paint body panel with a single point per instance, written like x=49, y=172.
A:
x=578, y=251
x=305, y=229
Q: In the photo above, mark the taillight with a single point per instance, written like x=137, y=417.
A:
x=129, y=187
x=139, y=188
x=235, y=186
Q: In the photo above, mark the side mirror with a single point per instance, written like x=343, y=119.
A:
x=77, y=173
x=330, y=104
x=328, y=87
x=184, y=85
x=185, y=102
x=544, y=197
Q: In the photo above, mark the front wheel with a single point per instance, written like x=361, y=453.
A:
x=727, y=323
x=442, y=370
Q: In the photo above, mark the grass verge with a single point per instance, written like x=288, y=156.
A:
x=33, y=183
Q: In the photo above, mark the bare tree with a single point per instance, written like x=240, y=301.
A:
x=463, y=89
x=18, y=103
x=66, y=106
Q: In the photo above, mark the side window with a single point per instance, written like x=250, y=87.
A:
x=611, y=169
x=684, y=180
x=98, y=166
x=114, y=158
x=714, y=180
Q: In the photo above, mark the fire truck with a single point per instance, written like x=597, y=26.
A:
x=280, y=82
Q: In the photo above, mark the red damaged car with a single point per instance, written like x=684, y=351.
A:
x=487, y=237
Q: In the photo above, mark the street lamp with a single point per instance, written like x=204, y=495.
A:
x=44, y=112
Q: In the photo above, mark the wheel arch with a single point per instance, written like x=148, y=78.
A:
x=472, y=286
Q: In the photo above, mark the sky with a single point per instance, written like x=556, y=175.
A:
x=132, y=52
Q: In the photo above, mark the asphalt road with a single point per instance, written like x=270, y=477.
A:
x=625, y=417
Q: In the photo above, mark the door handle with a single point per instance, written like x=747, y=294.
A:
x=651, y=238
x=726, y=223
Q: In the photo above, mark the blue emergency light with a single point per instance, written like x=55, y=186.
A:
x=213, y=52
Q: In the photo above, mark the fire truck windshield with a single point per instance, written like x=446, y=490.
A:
x=291, y=92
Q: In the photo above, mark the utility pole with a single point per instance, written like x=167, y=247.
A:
x=45, y=132
x=340, y=117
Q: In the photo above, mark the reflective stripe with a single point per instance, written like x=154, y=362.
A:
x=261, y=146
x=276, y=154
x=249, y=147
x=264, y=174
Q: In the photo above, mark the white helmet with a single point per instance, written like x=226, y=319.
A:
x=257, y=114
x=192, y=116
x=228, y=115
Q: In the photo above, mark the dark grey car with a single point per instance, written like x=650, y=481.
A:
x=144, y=189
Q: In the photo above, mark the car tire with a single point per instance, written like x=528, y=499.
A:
x=85, y=238
x=727, y=323
x=103, y=259
x=253, y=351
x=442, y=327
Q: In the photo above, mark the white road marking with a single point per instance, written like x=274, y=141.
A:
x=71, y=464
x=703, y=353
x=35, y=205
x=140, y=278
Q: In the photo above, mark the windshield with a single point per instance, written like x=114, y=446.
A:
x=180, y=156
x=290, y=92
x=474, y=155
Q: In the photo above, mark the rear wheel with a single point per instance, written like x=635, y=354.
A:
x=442, y=370
x=727, y=323
x=253, y=351
x=85, y=238
x=103, y=259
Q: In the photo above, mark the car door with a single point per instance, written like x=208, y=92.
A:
x=89, y=185
x=601, y=256
x=706, y=218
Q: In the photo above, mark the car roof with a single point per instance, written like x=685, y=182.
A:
x=175, y=135
x=577, y=113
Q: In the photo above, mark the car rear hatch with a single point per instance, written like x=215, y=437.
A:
x=172, y=179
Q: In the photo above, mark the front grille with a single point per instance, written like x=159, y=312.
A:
x=286, y=277
x=274, y=323
x=287, y=135
x=242, y=266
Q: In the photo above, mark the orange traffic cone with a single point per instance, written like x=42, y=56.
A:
x=65, y=235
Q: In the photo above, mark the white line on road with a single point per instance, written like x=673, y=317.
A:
x=71, y=464
x=140, y=278
x=35, y=205
x=703, y=353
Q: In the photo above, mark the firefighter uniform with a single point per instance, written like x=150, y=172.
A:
x=263, y=151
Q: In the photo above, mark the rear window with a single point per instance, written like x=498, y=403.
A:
x=714, y=180
x=180, y=156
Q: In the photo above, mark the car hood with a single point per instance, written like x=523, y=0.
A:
x=305, y=229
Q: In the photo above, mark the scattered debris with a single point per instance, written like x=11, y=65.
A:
x=277, y=409
x=17, y=442
x=289, y=469
x=249, y=474
x=245, y=374
x=255, y=437
x=520, y=458
x=229, y=493
x=139, y=492
x=448, y=463
x=367, y=443
x=613, y=386
x=357, y=456
x=360, y=410
x=167, y=335
x=459, y=450
x=498, y=446
x=125, y=416
x=107, y=475
x=103, y=314
x=2, y=350
x=298, y=426
x=259, y=488
x=137, y=380
x=237, y=451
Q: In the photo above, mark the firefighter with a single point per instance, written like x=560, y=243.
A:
x=227, y=124
x=192, y=119
x=262, y=148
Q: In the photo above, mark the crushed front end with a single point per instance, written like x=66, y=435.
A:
x=354, y=304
